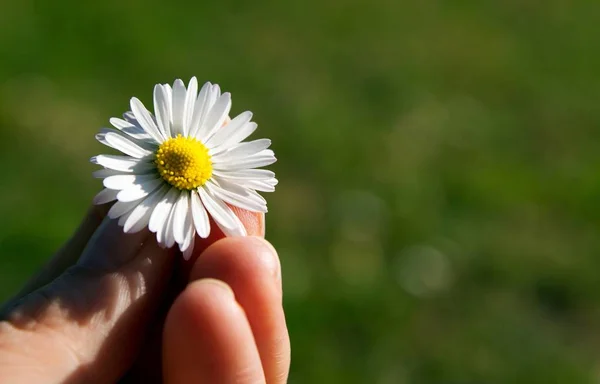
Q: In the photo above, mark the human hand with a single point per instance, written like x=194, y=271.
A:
x=116, y=307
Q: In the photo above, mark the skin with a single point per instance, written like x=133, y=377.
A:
x=114, y=307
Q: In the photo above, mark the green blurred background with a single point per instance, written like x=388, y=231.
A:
x=437, y=214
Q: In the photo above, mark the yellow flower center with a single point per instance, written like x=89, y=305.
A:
x=184, y=162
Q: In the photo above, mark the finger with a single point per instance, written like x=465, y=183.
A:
x=207, y=338
x=88, y=324
x=250, y=266
x=147, y=367
x=254, y=222
x=68, y=254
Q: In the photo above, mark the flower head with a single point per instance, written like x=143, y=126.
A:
x=183, y=164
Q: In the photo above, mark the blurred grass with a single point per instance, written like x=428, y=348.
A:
x=437, y=214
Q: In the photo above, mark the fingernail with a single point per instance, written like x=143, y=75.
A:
x=218, y=284
x=268, y=256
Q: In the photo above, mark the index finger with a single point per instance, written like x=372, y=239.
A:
x=69, y=253
x=254, y=222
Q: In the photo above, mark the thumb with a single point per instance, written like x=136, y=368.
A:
x=88, y=324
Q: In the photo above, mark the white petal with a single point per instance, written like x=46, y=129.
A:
x=124, y=217
x=216, y=93
x=224, y=134
x=130, y=118
x=105, y=196
x=261, y=159
x=101, y=138
x=236, y=137
x=178, y=106
x=200, y=217
x=145, y=119
x=201, y=108
x=216, y=208
x=104, y=173
x=247, y=174
x=222, y=214
x=169, y=95
x=140, y=216
x=237, y=231
x=147, y=143
x=121, y=207
x=167, y=237
x=141, y=190
x=190, y=101
x=181, y=210
x=124, y=163
x=187, y=252
x=189, y=231
x=215, y=118
x=260, y=185
x=121, y=124
x=161, y=110
x=242, y=150
x=126, y=181
x=131, y=128
x=126, y=146
x=246, y=202
x=240, y=189
x=162, y=210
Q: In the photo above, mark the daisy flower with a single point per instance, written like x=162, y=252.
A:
x=182, y=165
